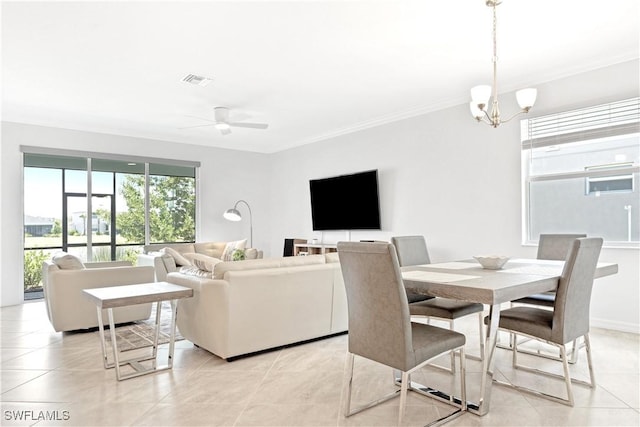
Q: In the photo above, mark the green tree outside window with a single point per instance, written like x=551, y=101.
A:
x=171, y=212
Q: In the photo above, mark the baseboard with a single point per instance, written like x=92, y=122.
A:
x=616, y=326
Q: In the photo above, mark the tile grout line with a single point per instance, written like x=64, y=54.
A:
x=250, y=397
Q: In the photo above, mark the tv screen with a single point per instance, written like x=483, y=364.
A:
x=346, y=202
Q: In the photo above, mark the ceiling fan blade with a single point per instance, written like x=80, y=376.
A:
x=225, y=131
x=198, y=126
x=250, y=125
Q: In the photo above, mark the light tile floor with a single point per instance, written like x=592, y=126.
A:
x=44, y=373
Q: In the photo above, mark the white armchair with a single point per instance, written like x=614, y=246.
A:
x=68, y=309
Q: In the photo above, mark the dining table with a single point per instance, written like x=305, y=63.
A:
x=467, y=280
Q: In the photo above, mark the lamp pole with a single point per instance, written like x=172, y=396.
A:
x=250, y=221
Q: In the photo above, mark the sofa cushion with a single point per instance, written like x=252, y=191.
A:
x=179, y=247
x=66, y=261
x=256, y=264
x=212, y=249
x=203, y=262
x=230, y=247
x=177, y=256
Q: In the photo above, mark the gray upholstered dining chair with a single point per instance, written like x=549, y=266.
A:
x=556, y=246
x=568, y=320
x=412, y=250
x=380, y=327
x=551, y=247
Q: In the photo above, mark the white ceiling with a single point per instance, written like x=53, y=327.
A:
x=311, y=69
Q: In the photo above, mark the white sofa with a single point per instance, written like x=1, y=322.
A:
x=165, y=264
x=253, y=305
x=67, y=306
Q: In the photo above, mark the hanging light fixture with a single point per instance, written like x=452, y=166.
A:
x=480, y=94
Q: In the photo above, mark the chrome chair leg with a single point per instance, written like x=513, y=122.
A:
x=452, y=353
x=406, y=380
x=566, y=377
x=587, y=346
x=406, y=385
x=348, y=388
x=348, y=383
x=481, y=335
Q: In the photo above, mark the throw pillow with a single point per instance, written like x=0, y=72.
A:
x=177, y=256
x=192, y=270
x=227, y=254
x=203, y=262
x=251, y=253
x=66, y=261
x=239, y=255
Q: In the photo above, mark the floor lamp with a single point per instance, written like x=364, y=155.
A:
x=234, y=215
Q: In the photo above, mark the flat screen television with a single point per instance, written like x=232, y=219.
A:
x=346, y=202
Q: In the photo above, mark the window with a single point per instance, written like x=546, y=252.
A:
x=97, y=208
x=609, y=183
x=581, y=172
x=172, y=204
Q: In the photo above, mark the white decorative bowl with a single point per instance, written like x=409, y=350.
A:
x=492, y=262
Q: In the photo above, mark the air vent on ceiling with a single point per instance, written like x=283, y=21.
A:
x=196, y=80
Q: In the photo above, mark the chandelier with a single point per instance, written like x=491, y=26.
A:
x=480, y=94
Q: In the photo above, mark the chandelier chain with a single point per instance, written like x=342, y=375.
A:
x=495, y=115
x=495, y=46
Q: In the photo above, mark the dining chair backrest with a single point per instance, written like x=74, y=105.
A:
x=573, y=296
x=379, y=321
x=411, y=250
x=556, y=246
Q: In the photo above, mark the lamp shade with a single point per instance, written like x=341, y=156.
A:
x=480, y=95
x=526, y=98
x=232, y=215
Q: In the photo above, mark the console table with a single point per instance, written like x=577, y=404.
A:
x=313, y=248
x=119, y=296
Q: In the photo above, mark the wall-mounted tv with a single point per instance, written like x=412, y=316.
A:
x=346, y=202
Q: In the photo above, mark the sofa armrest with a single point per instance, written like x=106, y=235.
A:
x=204, y=319
x=69, y=308
x=162, y=264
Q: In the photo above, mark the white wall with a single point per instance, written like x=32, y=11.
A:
x=225, y=176
x=457, y=182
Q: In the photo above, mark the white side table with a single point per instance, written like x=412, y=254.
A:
x=119, y=296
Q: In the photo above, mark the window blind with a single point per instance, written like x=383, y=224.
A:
x=613, y=119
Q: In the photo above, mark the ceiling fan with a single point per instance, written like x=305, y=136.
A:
x=222, y=123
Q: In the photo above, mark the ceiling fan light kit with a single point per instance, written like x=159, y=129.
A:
x=222, y=123
x=481, y=95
